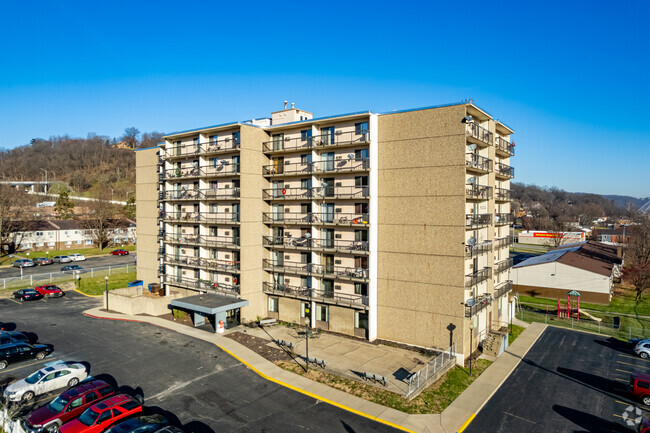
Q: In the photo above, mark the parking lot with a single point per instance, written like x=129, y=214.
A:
x=569, y=381
x=190, y=381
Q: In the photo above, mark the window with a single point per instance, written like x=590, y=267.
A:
x=88, y=242
x=105, y=391
x=91, y=396
x=68, y=243
x=305, y=135
x=361, y=181
x=77, y=242
x=361, y=289
x=304, y=308
x=644, y=385
x=75, y=403
x=50, y=244
x=273, y=305
x=361, y=320
x=322, y=313
x=39, y=244
x=305, y=159
x=305, y=184
x=278, y=141
x=361, y=128
x=130, y=405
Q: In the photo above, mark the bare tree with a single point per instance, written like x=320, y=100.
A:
x=131, y=136
x=16, y=214
x=636, y=266
x=556, y=229
x=99, y=221
x=150, y=139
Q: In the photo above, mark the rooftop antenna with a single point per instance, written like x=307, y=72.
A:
x=285, y=104
x=293, y=105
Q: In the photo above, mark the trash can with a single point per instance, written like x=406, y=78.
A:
x=135, y=283
x=154, y=288
x=617, y=322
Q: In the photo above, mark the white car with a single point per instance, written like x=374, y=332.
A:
x=45, y=380
x=77, y=257
x=61, y=259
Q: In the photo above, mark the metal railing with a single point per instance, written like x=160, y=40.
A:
x=431, y=371
x=216, y=241
x=316, y=218
x=504, y=242
x=286, y=193
x=503, y=194
x=326, y=192
x=320, y=295
x=476, y=220
x=287, y=143
x=303, y=242
x=194, y=149
x=504, y=146
x=503, y=266
x=220, y=193
x=502, y=289
x=477, y=277
x=184, y=173
x=475, y=250
x=220, y=145
x=480, y=133
x=340, y=138
x=502, y=219
x=478, y=192
x=206, y=217
x=201, y=262
x=503, y=170
x=478, y=162
x=326, y=166
x=182, y=194
x=481, y=303
x=312, y=268
x=32, y=280
x=225, y=168
x=202, y=285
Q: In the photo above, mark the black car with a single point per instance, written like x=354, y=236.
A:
x=71, y=269
x=27, y=295
x=140, y=424
x=17, y=352
x=8, y=337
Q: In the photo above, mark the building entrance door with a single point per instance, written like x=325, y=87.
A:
x=232, y=318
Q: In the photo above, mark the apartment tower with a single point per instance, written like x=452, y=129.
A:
x=392, y=226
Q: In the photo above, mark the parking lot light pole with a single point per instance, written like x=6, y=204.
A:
x=106, y=291
x=78, y=282
x=471, y=331
x=307, y=343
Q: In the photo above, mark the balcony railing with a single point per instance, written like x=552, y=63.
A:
x=223, y=168
x=341, y=139
x=481, y=303
x=193, y=149
x=286, y=193
x=478, y=192
x=478, y=163
x=203, y=285
x=477, y=277
x=183, y=194
x=216, y=241
x=317, y=295
x=503, y=170
x=504, y=242
x=475, y=250
x=476, y=131
x=502, y=219
x=504, y=146
x=503, y=194
x=327, y=192
x=220, y=145
x=184, y=173
x=502, y=289
x=503, y=266
x=287, y=144
x=184, y=150
x=222, y=241
x=220, y=193
x=330, y=166
x=201, y=262
x=207, y=217
x=349, y=219
x=477, y=220
x=340, y=272
x=338, y=245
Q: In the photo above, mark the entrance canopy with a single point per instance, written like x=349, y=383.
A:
x=209, y=303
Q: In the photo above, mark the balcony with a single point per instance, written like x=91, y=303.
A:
x=183, y=194
x=184, y=173
x=474, y=306
x=503, y=219
x=478, y=192
x=201, y=217
x=222, y=241
x=316, y=244
x=478, y=249
x=341, y=139
x=503, y=266
x=478, y=277
x=347, y=165
x=478, y=164
x=221, y=217
x=503, y=195
x=182, y=151
x=196, y=240
x=338, y=272
x=473, y=221
x=479, y=134
x=202, y=285
x=220, y=193
x=503, y=147
x=222, y=145
x=341, y=192
x=502, y=289
x=201, y=262
x=337, y=219
x=504, y=242
x=223, y=168
x=504, y=171
x=287, y=194
x=287, y=145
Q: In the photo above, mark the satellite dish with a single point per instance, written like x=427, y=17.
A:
x=472, y=180
x=471, y=147
x=471, y=241
x=307, y=235
x=323, y=184
x=350, y=156
x=470, y=302
x=223, y=162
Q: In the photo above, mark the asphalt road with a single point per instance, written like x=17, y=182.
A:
x=90, y=262
x=569, y=381
x=191, y=381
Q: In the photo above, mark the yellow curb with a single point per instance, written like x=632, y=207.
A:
x=317, y=397
x=90, y=296
x=466, y=423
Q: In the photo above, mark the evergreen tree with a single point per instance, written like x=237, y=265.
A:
x=64, y=206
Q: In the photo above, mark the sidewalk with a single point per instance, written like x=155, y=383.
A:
x=455, y=417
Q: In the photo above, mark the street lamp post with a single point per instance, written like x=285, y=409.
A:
x=42, y=169
x=78, y=282
x=307, y=342
x=106, y=291
x=471, y=331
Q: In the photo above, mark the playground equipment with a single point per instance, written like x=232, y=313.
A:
x=572, y=307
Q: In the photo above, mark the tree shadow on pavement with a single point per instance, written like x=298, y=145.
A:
x=615, y=344
x=197, y=427
x=598, y=383
x=591, y=423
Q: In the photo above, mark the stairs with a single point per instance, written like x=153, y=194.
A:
x=493, y=344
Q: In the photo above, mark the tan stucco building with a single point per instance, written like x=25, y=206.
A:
x=390, y=226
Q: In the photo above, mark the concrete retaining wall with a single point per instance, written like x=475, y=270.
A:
x=130, y=301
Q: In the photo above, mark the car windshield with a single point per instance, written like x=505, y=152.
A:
x=88, y=417
x=58, y=404
x=35, y=377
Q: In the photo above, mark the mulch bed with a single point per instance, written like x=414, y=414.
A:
x=187, y=320
x=259, y=346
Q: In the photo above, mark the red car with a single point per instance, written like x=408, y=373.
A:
x=102, y=415
x=639, y=387
x=49, y=291
x=120, y=252
x=68, y=405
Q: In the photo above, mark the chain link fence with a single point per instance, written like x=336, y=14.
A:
x=60, y=276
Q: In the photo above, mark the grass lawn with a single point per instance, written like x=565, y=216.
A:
x=96, y=285
x=434, y=399
x=516, y=330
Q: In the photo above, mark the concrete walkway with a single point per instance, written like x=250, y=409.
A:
x=454, y=419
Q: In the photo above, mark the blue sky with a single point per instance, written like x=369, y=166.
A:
x=569, y=77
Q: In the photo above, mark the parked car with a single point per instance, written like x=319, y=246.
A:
x=639, y=387
x=17, y=352
x=102, y=415
x=46, y=380
x=22, y=263
x=71, y=269
x=61, y=259
x=27, y=295
x=50, y=291
x=170, y=429
x=644, y=427
x=140, y=424
x=67, y=406
x=77, y=257
x=642, y=349
x=42, y=261
x=120, y=252
x=8, y=337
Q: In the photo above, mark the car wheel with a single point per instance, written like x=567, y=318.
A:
x=52, y=428
x=3, y=365
x=72, y=382
x=28, y=396
x=22, y=299
x=646, y=400
x=40, y=355
x=644, y=355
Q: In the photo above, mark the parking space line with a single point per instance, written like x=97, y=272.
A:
x=633, y=365
x=622, y=380
x=634, y=357
x=21, y=366
x=622, y=402
x=624, y=371
x=13, y=300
